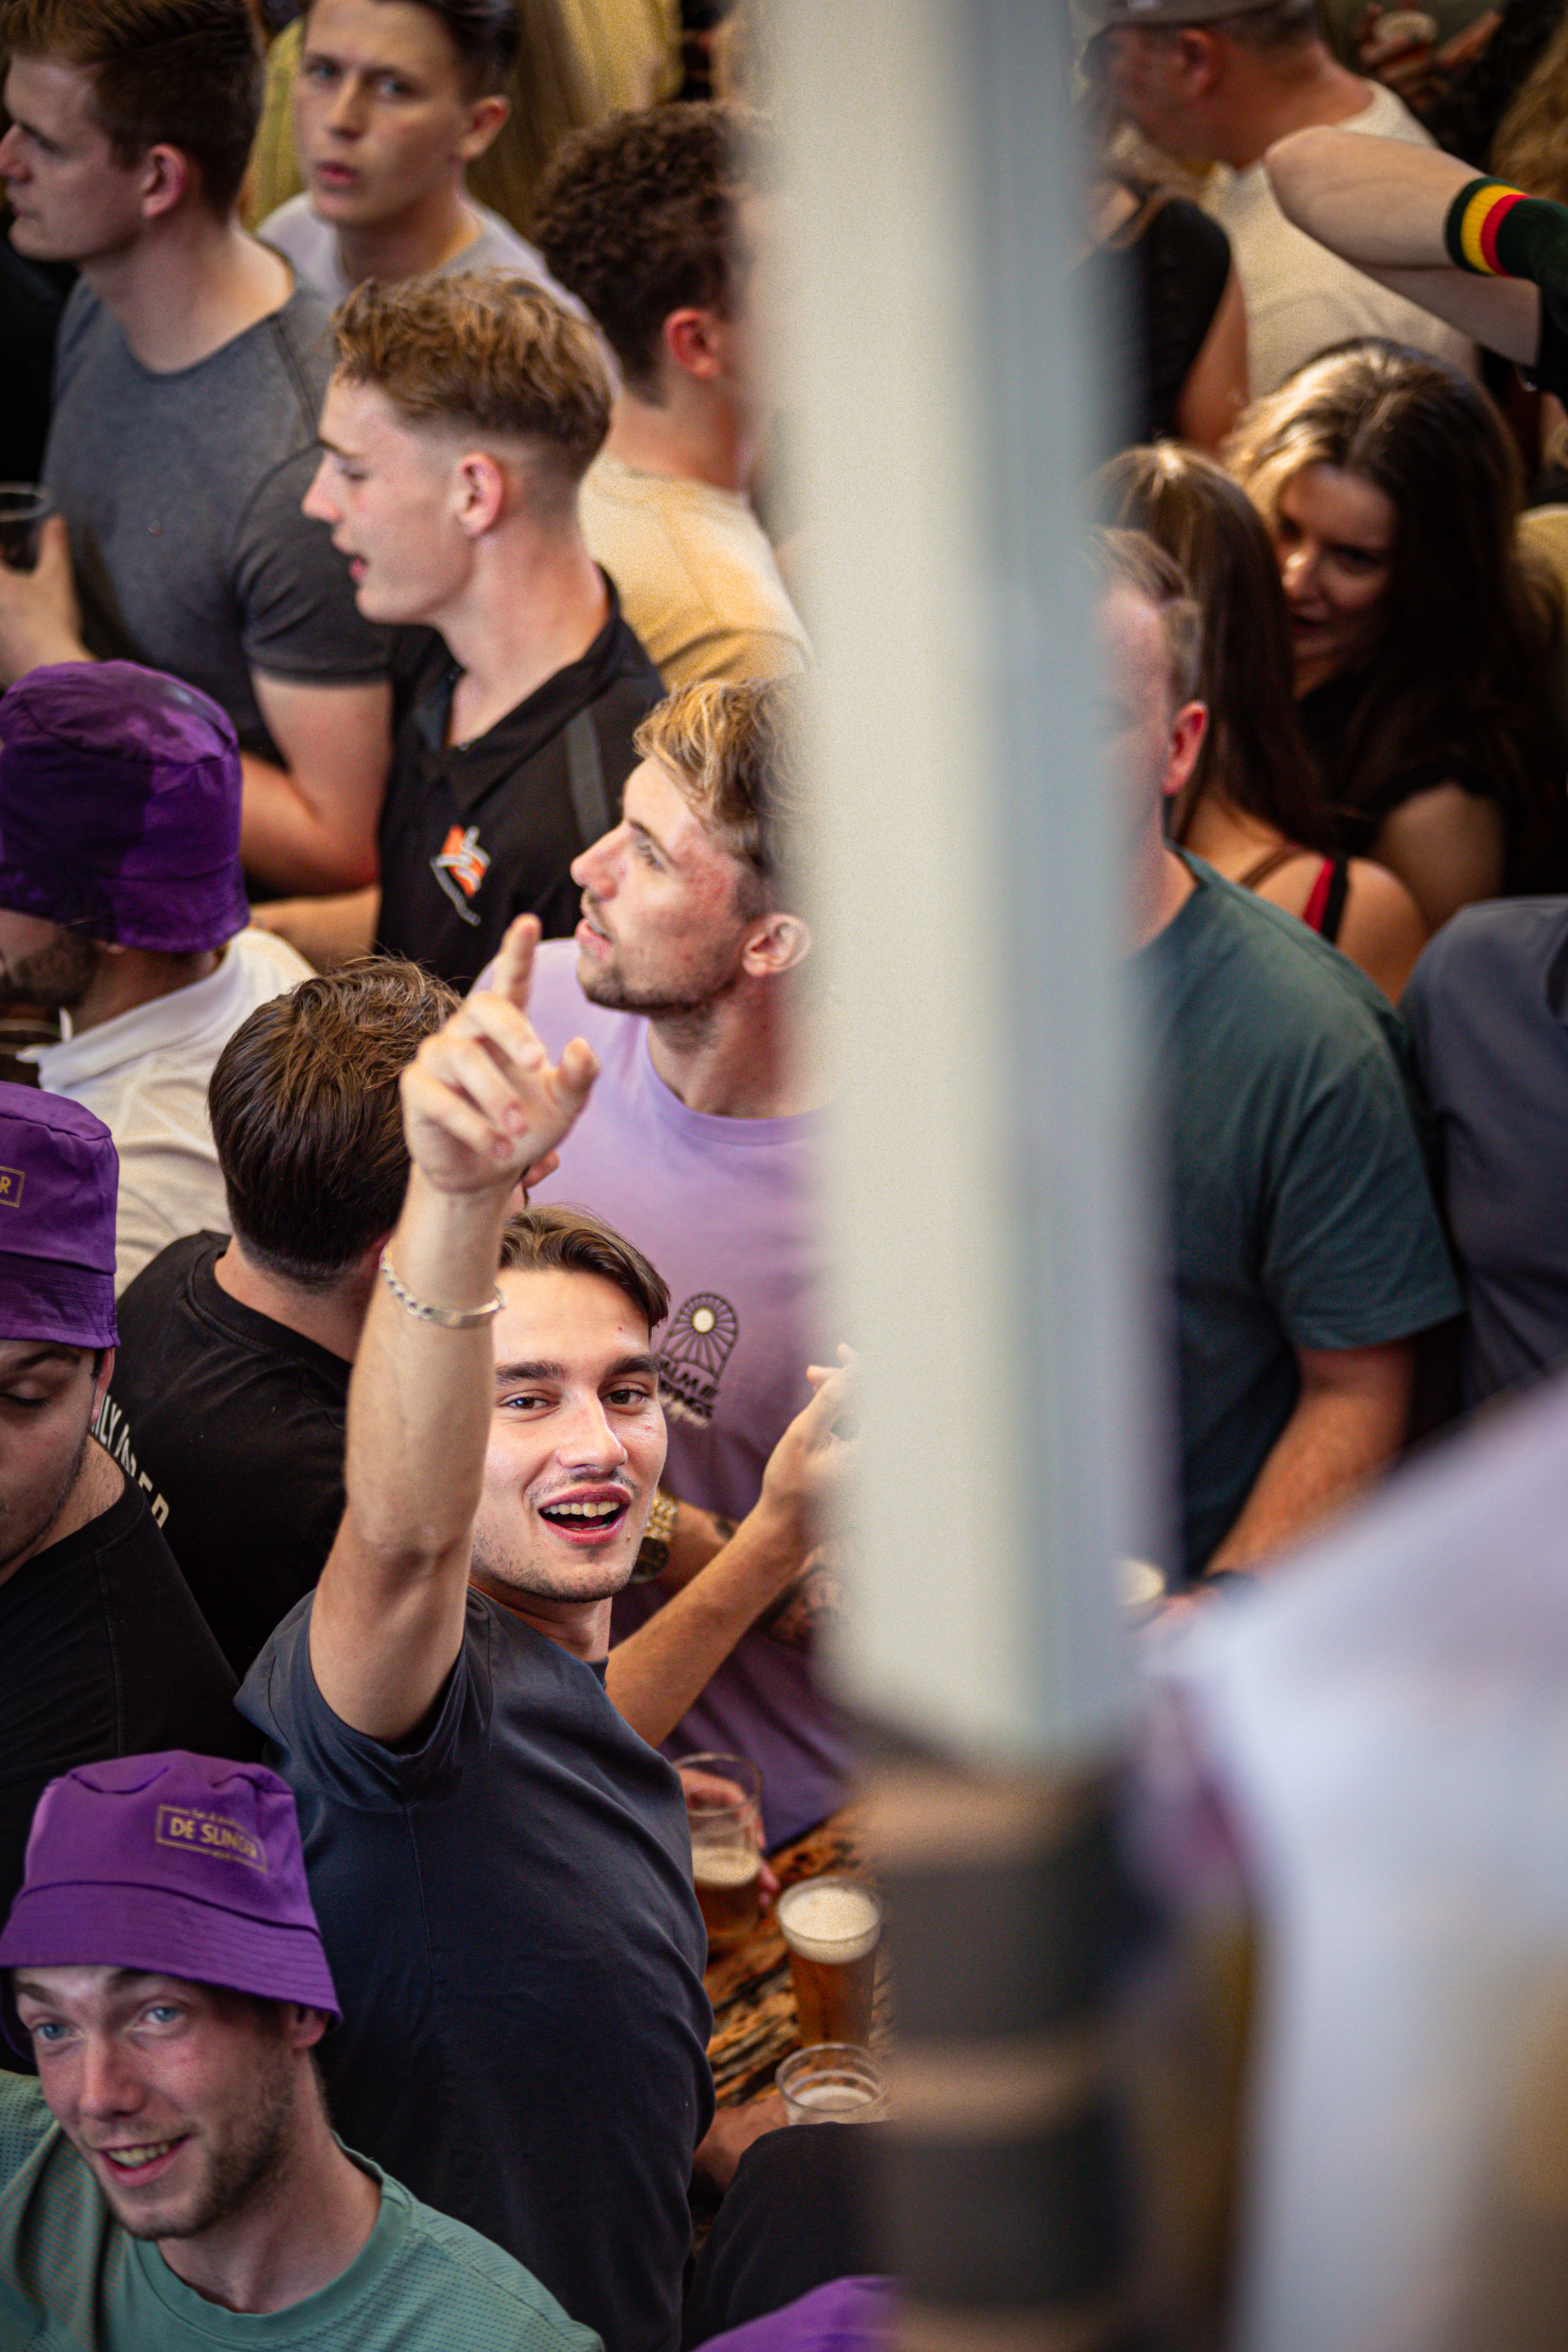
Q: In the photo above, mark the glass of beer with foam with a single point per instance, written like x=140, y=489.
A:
x=723, y=1812
x=832, y=1927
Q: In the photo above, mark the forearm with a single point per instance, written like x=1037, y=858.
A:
x=421, y=1396
x=1380, y=202
x=699, y=1535
x=288, y=840
x=325, y=932
x=1333, y=1445
x=661, y=1669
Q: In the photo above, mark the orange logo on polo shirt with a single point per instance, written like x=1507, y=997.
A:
x=195, y=1831
x=461, y=864
x=10, y=1188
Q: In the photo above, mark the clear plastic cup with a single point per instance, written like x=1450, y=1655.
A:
x=832, y=2082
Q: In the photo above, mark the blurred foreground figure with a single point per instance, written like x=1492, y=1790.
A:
x=123, y=908
x=102, y=1650
x=174, y=2165
x=1219, y=79
x=1306, y=1250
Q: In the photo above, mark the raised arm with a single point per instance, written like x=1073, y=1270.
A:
x=1383, y=205
x=659, y=1671
x=482, y=1104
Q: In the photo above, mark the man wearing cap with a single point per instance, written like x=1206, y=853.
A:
x=172, y=2178
x=102, y=1650
x=1220, y=81
x=123, y=908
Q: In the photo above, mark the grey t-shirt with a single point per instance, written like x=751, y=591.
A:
x=309, y=245
x=1301, y=1214
x=182, y=494
x=1487, y=1007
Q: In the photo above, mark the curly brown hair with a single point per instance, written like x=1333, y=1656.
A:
x=178, y=73
x=637, y=218
x=732, y=750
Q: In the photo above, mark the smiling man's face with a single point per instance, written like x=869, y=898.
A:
x=577, y=1440
x=182, y=2099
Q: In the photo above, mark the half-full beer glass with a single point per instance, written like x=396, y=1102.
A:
x=832, y=1927
x=723, y=1807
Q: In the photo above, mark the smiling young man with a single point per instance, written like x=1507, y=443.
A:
x=102, y=1650
x=456, y=428
x=188, y=377
x=499, y=1862
x=172, y=2178
x=394, y=99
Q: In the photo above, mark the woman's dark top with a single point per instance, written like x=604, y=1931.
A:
x=1159, y=283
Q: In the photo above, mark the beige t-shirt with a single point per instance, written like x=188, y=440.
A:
x=696, y=575
x=1299, y=296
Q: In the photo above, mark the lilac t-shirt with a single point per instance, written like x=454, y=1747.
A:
x=727, y=1211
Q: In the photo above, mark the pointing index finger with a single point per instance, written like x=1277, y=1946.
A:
x=513, y=971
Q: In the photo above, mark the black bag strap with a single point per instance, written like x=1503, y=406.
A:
x=586, y=771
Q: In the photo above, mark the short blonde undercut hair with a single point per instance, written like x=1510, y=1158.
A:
x=730, y=751
x=482, y=351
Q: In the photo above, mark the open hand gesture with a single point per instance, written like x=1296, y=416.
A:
x=482, y=1102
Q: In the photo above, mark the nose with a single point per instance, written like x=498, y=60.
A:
x=591, y=1445
x=595, y=870
x=12, y=166
x=318, y=501
x=108, y=2087
x=1298, y=571
x=346, y=113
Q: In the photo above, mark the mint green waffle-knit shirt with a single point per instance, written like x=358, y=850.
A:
x=71, y=2280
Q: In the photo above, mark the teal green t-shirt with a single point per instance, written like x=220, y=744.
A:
x=71, y=2280
x=1300, y=1211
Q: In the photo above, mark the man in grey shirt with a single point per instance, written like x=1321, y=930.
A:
x=188, y=380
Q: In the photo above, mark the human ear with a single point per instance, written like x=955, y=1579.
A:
x=1188, y=728
x=485, y=117
x=165, y=174
x=1195, y=60
x=481, y=492
x=692, y=341
x=778, y=944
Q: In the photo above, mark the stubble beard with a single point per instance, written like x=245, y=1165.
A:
x=57, y=977
x=244, y=2170
x=502, y=1568
x=17, y=1543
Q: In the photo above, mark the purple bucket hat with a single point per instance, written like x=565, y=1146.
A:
x=181, y=1866
x=119, y=793
x=60, y=1183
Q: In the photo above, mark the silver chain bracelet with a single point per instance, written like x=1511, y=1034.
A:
x=449, y=1318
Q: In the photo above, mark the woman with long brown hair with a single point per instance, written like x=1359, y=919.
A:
x=1421, y=636
x=1253, y=807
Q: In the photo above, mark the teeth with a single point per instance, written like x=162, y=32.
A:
x=132, y=2160
x=581, y=1510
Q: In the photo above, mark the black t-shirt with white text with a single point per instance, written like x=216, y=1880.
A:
x=235, y=1424
x=509, y=1913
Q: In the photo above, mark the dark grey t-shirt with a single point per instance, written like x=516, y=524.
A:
x=1487, y=1007
x=182, y=494
x=509, y=1913
x=1300, y=1212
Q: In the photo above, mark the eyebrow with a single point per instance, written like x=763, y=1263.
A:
x=121, y=1980
x=548, y=1371
x=45, y=1355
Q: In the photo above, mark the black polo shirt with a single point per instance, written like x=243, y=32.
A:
x=1487, y=1008
x=473, y=835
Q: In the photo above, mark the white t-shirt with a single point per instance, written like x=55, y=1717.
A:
x=310, y=245
x=1299, y=296
x=145, y=1075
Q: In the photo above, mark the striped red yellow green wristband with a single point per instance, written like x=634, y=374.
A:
x=1497, y=231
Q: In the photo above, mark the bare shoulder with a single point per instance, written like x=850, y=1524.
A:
x=1383, y=929
x=1448, y=845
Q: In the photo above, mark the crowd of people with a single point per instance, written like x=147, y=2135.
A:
x=421, y=1416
